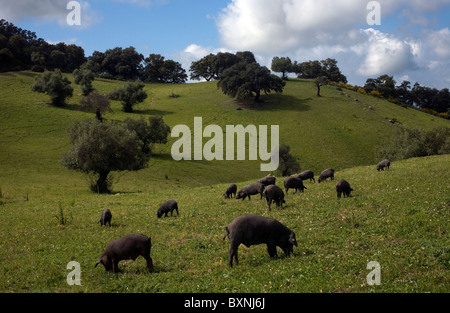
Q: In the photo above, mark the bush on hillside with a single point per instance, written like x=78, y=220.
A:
x=54, y=85
x=412, y=143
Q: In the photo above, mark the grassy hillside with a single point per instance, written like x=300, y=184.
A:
x=399, y=217
x=331, y=131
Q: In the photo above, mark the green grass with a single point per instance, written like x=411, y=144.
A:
x=399, y=218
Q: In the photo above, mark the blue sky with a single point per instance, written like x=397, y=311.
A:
x=412, y=43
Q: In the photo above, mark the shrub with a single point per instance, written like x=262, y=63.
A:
x=54, y=85
x=288, y=163
x=411, y=143
x=129, y=95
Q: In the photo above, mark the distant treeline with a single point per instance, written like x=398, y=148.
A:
x=22, y=50
x=429, y=100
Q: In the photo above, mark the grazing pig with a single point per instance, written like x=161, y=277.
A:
x=254, y=230
x=126, y=248
x=383, y=164
x=231, y=190
x=328, y=173
x=105, y=218
x=293, y=183
x=167, y=207
x=268, y=180
x=343, y=187
x=306, y=175
x=250, y=190
x=273, y=193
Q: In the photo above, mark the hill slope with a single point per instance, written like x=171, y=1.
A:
x=399, y=218
x=331, y=131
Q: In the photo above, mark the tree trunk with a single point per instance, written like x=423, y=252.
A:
x=258, y=95
x=102, y=183
x=318, y=90
x=98, y=114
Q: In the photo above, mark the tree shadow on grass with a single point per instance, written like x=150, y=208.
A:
x=275, y=102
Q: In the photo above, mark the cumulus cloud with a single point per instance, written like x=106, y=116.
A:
x=314, y=30
x=440, y=42
x=385, y=53
x=46, y=11
x=281, y=25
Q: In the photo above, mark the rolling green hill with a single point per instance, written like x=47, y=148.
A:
x=331, y=131
x=399, y=218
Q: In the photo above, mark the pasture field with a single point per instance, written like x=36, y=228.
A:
x=399, y=218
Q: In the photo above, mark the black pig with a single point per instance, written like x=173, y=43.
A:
x=275, y=194
x=105, y=218
x=343, y=187
x=167, y=207
x=383, y=164
x=293, y=183
x=250, y=190
x=254, y=230
x=126, y=248
x=231, y=190
x=268, y=180
x=306, y=175
x=328, y=173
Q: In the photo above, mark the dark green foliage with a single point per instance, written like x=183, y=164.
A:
x=418, y=96
x=212, y=66
x=320, y=81
x=158, y=130
x=84, y=77
x=288, y=163
x=384, y=84
x=129, y=95
x=315, y=69
x=100, y=148
x=155, y=132
x=159, y=70
x=203, y=68
x=21, y=50
x=411, y=143
x=282, y=65
x=117, y=63
x=244, y=80
x=54, y=85
x=431, y=98
x=97, y=103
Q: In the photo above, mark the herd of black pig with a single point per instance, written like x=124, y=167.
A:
x=246, y=229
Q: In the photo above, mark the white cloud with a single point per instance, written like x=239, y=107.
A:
x=46, y=11
x=314, y=30
x=385, y=53
x=440, y=42
x=283, y=25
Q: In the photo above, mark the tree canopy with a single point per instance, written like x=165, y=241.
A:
x=159, y=70
x=288, y=163
x=54, y=85
x=282, y=65
x=129, y=95
x=21, y=49
x=315, y=69
x=246, y=78
x=98, y=148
